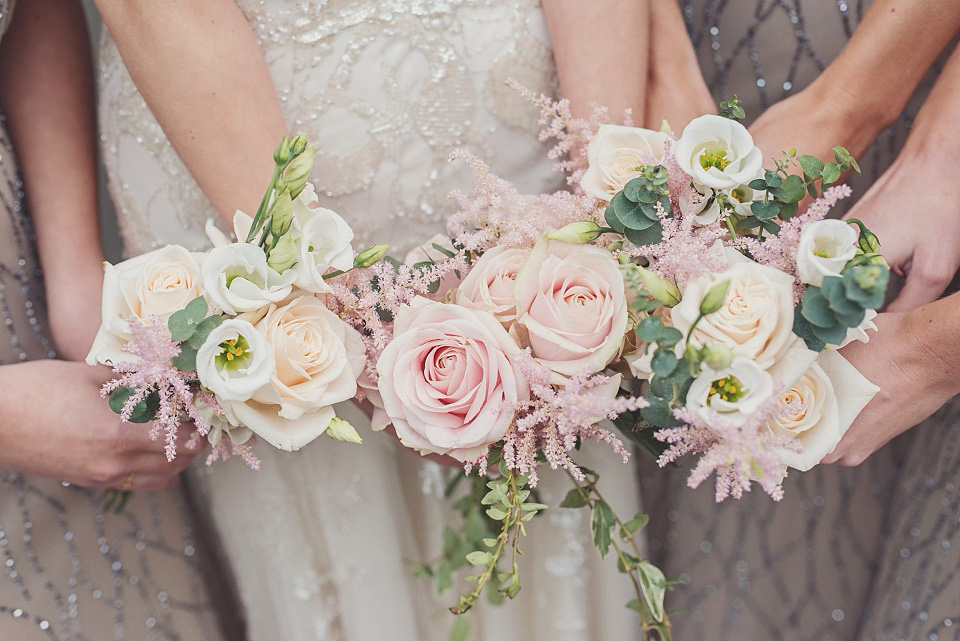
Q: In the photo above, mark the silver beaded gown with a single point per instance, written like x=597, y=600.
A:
x=70, y=572
x=850, y=554
x=323, y=541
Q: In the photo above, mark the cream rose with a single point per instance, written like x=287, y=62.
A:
x=489, y=284
x=734, y=393
x=819, y=408
x=614, y=154
x=449, y=380
x=317, y=360
x=825, y=248
x=234, y=361
x=571, y=307
x=718, y=152
x=154, y=285
x=756, y=318
x=237, y=279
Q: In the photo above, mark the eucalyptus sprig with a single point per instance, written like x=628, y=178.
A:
x=508, y=504
x=649, y=582
x=635, y=209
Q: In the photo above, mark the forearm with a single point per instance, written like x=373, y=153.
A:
x=201, y=71
x=46, y=84
x=878, y=70
x=601, y=49
x=935, y=330
x=935, y=132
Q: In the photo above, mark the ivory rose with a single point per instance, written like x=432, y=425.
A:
x=449, y=380
x=718, y=152
x=317, y=360
x=614, y=154
x=153, y=285
x=824, y=250
x=571, y=307
x=490, y=283
x=820, y=407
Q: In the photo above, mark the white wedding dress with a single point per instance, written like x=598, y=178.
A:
x=322, y=542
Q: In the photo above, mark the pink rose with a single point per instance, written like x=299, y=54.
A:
x=571, y=307
x=489, y=285
x=449, y=380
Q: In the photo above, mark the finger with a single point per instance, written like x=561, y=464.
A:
x=157, y=463
x=925, y=282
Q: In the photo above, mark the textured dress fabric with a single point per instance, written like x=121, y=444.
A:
x=323, y=541
x=850, y=554
x=71, y=572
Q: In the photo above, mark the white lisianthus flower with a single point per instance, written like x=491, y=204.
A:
x=153, y=285
x=734, y=392
x=859, y=333
x=235, y=361
x=718, y=152
x=826, y=246
x=705, y=209
x=222, y=425
x=742, y=197
x=819, y=408
x=614, y=154
x=238, y=279
x=324, y=240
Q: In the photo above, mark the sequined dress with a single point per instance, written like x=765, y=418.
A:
x=323, y=541
x=69, y=571
x=851, y=554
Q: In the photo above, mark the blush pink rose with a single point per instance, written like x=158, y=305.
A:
x=449, y=381
x=489, y=285
x=571, y=307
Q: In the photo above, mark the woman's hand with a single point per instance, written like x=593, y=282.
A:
x=916, y=374
x=914, y=209
x=56, y=425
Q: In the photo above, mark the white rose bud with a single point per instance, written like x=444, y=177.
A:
x=235, y=361
x=577, y=233
x=826, y=246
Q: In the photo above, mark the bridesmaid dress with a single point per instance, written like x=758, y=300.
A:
x=323, y=541
x=71, y=572
x=851, y=554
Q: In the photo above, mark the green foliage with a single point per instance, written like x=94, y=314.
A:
x=732, y=109
x=827, y=312
x=143, y=412
x=460, y=630
x=633, y=211
x=601, y=524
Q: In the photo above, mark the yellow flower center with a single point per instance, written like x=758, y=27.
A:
x=729, y=389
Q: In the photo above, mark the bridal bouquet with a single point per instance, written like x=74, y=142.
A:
x=239, y=340
x=678, y=291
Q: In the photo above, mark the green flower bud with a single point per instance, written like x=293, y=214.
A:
x=869, y=242
x=299, y=170
x=282, y=154
x=370, y=256
x=577, y=233
x=663, y=291
x=717, y=357
x=714, y=298
x=281, y=214
x=341, y=430
x=298, y=144
x=283, y=255
x=869, y=277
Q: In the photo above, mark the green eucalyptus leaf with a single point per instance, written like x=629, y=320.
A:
x=146, y=410
x=602, y=522
x=649, y=329
x=764, y=209
x=772, y=179
x=757, y=184
x=811, y=165
x=831, y=173
x=203, y=330
x=792, y=190
x=816, y=309
x=832, y=335
x=610, y=216
x=119, y=397
x=659, y=413
x=650, y=236
x=664, y=362
x=631, y=191
x=186, y=360
x=669, y=337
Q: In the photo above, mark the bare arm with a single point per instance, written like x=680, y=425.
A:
x=600, y=48
x=864, y=90
x=201, y=71
x=46, y=84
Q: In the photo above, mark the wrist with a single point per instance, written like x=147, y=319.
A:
x=929, y=348
x=843, y=106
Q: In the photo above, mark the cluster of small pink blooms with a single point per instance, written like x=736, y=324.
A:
x=226, y=450
x=497, y=214
x=780, y=251
x=558, y=418
x=572, y=134
x=151, y=370
x=686, y=251
x=736, y=454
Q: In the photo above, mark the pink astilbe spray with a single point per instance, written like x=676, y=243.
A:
x=557, y=419
x=780, y=251
x=737, y=454
x=152, y=370
x=497, y=214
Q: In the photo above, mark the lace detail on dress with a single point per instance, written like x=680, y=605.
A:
x=386, y=90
